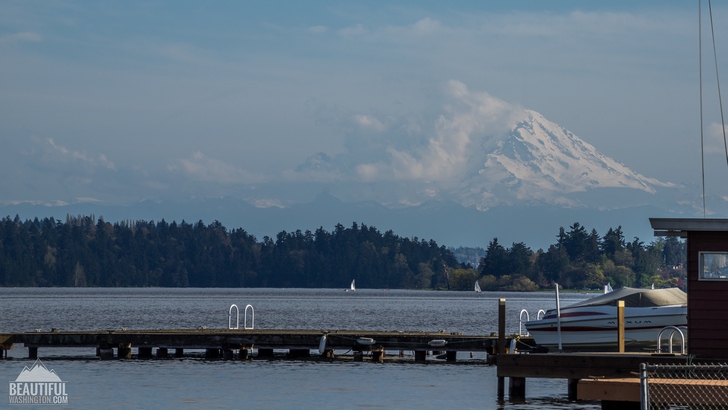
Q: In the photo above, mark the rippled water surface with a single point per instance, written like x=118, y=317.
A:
x=258, y=384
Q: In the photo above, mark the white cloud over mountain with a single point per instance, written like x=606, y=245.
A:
x=481, y=151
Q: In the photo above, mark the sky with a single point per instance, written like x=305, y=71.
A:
x=126, y=100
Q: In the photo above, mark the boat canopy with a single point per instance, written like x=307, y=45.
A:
x=634, y=297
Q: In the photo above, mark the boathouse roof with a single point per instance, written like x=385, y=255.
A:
x=681, y=226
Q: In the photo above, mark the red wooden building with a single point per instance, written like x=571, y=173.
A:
x=707, y=285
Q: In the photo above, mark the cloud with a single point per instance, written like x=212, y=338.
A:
x=25, y=36
x=205, y=169
x=440, y=150
x=318, y=29
x=426, y=26
x=354, y=31
x=715, y=143
x=63, y=154
x=367, y=121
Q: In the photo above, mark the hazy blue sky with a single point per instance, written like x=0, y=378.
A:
x=124, y=100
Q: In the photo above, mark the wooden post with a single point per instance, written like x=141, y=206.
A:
x=212, y=353
x=227, y=354
x=620, y=325
x=378, y=354
x=358, y=356
x=299, y=353
x=244, y=354
x=420, y=356
x=124, y=351
x=106, y=353
x=451, y=356
x=32, y=352
x=516, y=388
x=267, y=353
x=501, y=344
x=162, y=352
x=145, y=352
x=572, y=389
x=179, y=352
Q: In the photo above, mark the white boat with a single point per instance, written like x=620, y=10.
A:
x=592, y=324
x=477, y=286
x=352, y=287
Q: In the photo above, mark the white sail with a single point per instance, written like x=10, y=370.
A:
x=477, y=286
x=353, y=287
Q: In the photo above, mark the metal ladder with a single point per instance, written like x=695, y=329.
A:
x=675, y=329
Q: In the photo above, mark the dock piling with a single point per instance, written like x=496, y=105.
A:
x=265, y=353
x=106, y=353
x=378, y=354
x=501, y=344
x=124, y=351
x=571, y=390
x=517, y=388
x=620, y=325
x=299, y=353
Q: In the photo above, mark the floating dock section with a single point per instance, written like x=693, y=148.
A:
x=239, y=343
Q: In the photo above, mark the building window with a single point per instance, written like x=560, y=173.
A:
x=713, y=266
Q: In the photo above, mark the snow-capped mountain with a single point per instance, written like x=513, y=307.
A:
x=542, y=162
x=529, y=161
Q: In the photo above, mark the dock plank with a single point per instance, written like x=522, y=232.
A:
x=692, y=391
x=578, y=365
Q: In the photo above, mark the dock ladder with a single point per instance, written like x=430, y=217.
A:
x=675, y=329
x=237, y=317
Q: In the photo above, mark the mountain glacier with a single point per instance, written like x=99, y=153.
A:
x=539, y=161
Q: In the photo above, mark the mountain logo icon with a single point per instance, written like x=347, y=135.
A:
x=37, y=373
x=37, y=385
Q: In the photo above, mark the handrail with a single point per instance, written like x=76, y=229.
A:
x=520, y=322
x=541, y=313
x=682, y=344
x=230, y=317
x=245, y=318
x=674, y=329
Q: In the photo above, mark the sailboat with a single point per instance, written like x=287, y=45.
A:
x=352, y=288
x=477, y=286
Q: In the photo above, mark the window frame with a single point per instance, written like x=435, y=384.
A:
x=701, y=264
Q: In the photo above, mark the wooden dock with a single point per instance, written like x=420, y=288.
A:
x=239, y=343
x=712, y=392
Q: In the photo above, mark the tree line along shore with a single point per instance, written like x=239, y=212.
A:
x=85, y=251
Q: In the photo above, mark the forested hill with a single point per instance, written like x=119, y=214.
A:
x=84, y=251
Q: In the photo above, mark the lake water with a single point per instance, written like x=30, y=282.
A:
x=193, y=382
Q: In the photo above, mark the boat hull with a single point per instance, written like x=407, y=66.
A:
x=595, y=327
